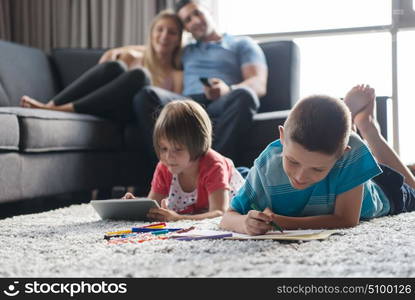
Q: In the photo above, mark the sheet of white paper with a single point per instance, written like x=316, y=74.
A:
x=296, y=232
x=285, y=233
x=200, y=232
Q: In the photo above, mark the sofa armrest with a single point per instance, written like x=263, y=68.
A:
x=24, y=71
x=272, y=115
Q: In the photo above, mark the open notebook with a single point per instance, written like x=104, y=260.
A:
x=288, y=235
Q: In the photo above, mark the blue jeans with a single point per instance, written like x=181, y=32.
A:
x=401, y=196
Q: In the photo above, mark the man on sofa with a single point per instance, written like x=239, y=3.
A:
x=236, y=72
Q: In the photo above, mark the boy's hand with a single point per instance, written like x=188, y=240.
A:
x=257, y=222
x=128, y=196
x=218, y=88
x=163, y=214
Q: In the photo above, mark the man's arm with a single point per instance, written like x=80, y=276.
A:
x=255, y=76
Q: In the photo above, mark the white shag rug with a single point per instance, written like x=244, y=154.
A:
x=68, y=242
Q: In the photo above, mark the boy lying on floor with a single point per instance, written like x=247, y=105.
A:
x=320, y=174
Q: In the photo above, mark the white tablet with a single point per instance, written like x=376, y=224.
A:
x=124, y=209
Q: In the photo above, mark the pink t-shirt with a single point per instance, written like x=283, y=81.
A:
x=215, y=172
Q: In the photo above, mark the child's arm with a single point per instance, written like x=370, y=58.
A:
x=156, y=196
x=218, y=203
x=253, y=223
x=151, y=195
x=346, y=214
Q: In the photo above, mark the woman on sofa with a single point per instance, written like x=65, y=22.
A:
x=107, y=89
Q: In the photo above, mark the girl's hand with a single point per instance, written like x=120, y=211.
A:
x=257, y=222
x=164, y=203
x=163, y=214
x=128, y=196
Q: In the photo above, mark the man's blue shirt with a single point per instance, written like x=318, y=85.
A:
x=221, y=59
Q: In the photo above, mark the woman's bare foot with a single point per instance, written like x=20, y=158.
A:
x=358, y=98
x=28, y=102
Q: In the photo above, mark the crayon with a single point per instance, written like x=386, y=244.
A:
x=141, y=229
x=185, y=229
x=276, y=226
x=160, y=232
x=155, y=225
x=119, y=232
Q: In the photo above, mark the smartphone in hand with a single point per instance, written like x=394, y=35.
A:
x=205, y=81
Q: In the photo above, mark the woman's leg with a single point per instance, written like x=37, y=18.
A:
x=368, y=126
x=91, y=80
x=114, y=100
x=29, y=102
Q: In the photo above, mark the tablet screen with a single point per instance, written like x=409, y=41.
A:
x=124, y=209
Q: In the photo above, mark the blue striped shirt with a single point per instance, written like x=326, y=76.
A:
x=267, y=185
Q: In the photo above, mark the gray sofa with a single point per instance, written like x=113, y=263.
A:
x=45, y=153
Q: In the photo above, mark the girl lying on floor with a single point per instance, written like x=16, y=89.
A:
x=191, y=180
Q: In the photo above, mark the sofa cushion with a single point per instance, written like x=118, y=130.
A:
x=24, y=71
x=9, y=132
x=71, y=63
x=45, y=130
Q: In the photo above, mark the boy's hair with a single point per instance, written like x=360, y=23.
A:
x=185, y=123
x=319, y=123
x=181, y=3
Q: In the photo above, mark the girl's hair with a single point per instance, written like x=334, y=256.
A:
x=319, y=123
x=151, y=61
x=185, y=123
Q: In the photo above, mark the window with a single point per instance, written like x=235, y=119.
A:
x=342, y=43
x=332, y=65
x=270, y=16
x=406, y=94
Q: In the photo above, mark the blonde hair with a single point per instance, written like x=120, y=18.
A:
x=319, y=123
x=185, y=123
x=151, y=61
